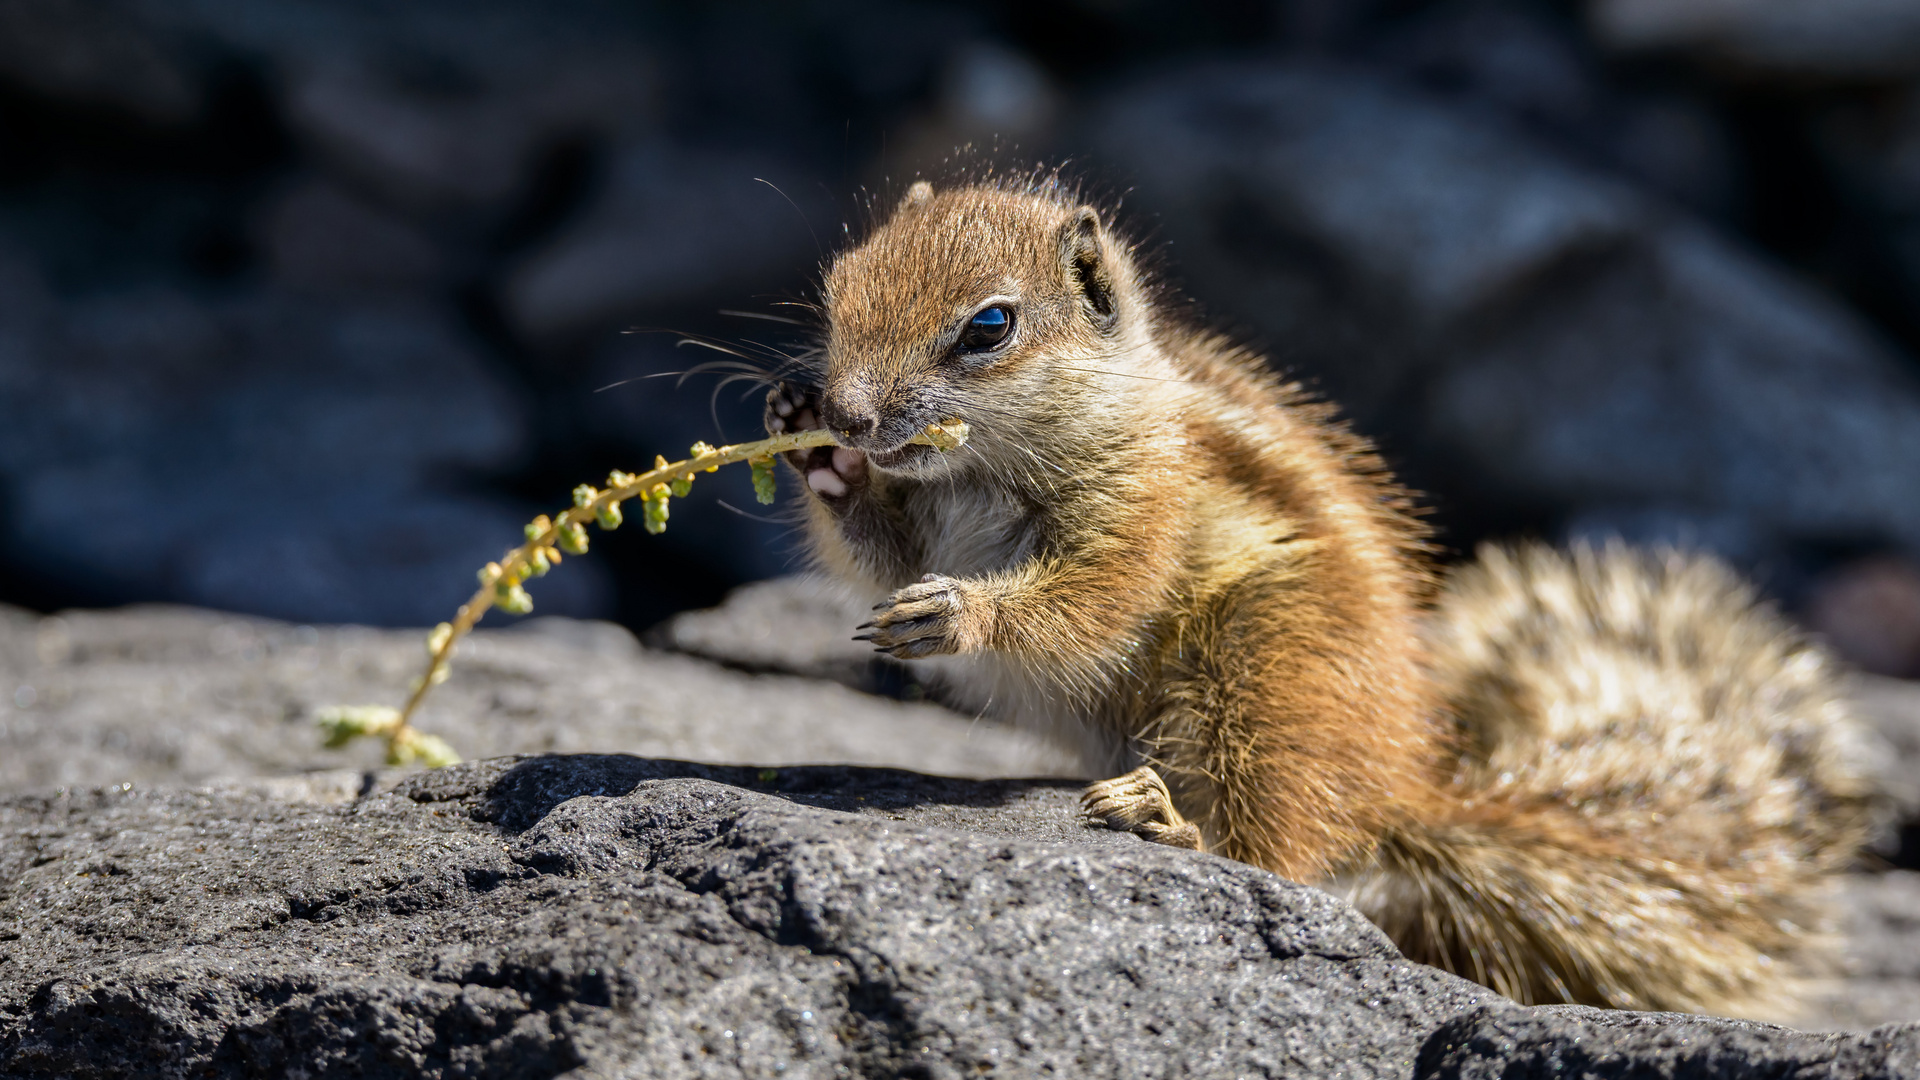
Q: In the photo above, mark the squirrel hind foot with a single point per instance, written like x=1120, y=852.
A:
x=1140, y=803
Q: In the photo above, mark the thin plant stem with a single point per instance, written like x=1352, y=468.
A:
x=501, y=581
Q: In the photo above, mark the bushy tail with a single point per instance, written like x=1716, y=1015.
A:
x=1542, y=909
x=1656, y=779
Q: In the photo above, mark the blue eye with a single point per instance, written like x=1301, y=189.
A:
x=987, y=328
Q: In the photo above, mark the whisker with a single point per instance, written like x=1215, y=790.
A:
x=725, y=505
x=817, y=249
x=774, y=350
x=716, y=346
x=764, y=316
x=623, y=382
x=1122, y=374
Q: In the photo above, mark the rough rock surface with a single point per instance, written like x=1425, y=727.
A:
x=188, y=884
x=613, y=916
x=175, y=695
x=793, y=624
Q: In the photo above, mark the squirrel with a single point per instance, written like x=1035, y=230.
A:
x=1604, y=776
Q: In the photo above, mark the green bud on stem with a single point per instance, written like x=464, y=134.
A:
x=763, y=485
x=512, y=599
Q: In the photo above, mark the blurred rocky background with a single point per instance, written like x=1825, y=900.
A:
x=306, y=305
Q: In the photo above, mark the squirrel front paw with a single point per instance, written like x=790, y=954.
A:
x=833, y=473
x=932, y=617
x=1140, y=803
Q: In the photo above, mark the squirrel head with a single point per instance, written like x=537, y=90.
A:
x=978, y=302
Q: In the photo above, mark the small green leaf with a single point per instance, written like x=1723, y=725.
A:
x=341, y=724
x=421, y=749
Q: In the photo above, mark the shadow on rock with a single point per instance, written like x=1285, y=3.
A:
x=515, y=793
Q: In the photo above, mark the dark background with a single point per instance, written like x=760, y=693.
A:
x=306, y=306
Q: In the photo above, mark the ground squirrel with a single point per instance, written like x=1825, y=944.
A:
x=1602, y=776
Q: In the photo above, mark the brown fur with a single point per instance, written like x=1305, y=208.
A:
x=1652, y=790
x=1154, y=548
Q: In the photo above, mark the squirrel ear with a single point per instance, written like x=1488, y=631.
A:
x=919, y=195
x=1084, y=250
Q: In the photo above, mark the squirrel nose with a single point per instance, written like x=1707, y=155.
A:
x=849, y=422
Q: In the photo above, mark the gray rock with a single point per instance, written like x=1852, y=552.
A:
x=98, y=53
x=1853, y=39
x=441, y=108
x=672, y=224
x=177, y=696
x=1534, y=335
x=1892, y=708
x=1786, y=415
x=319, y=237
x=1520, y=62
x=257, y=452
x=800, y=624
x=623, y=916
x=613, y=916
x=1881, y=915
x=1441, y=216
x=1588, y=1044
x=472, y=150
x=1872, y=148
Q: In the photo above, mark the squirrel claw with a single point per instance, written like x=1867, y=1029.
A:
x=1140, y=803
x=927, y=618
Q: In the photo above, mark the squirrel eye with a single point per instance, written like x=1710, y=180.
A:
x=987, y=328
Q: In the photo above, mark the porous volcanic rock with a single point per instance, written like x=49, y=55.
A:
x=175, y=696
x=615, y=916
x=796, y=624
x=190, y=885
